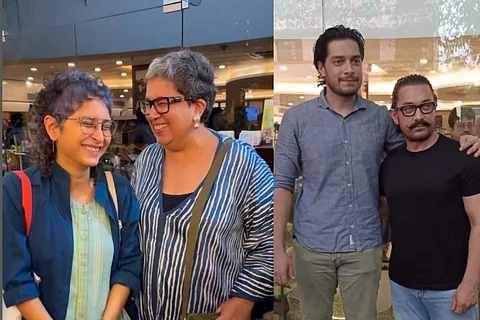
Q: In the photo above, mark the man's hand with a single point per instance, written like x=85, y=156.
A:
x=465, y=298
x=283, y=268
x=235, y=309
x=471, y=143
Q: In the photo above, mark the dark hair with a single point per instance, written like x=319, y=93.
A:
x=61, y=97
x=466, y=113
x=339, y=32
x=410, y=80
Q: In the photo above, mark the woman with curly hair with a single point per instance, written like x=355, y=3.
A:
x=85, y=253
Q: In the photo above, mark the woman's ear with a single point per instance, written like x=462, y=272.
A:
x=199, y=107
x=52, y=127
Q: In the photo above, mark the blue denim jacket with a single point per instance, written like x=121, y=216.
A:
x=48, y=251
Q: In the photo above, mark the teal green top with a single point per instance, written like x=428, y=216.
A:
x=92, y=262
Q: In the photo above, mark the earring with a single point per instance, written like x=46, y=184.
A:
x=196, y=121
x=53, y=146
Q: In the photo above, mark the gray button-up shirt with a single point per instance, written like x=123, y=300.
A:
x=339, y=159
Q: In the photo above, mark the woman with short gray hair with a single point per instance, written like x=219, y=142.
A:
x=229, y=267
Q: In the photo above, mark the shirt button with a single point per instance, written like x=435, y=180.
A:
x=346, y=141
x=352, y=226
x=347, y=162
x=82, y=237
x=350, y=206
x=349, y=184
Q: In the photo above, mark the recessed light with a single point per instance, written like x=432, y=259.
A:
x=119, y=63
x=432, y=71
x=125, y=90
x=123, y=74
x=30, y=78
x=98, y=69
x=290, y=103
x=33, y=69
x=424, y=61
x=302, y=97
x=222, y=66
x=71, y=64
x=283, y=68
x=309, y=77
x=122, y=96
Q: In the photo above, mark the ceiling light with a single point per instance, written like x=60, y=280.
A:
x=125, y=90
x=30, y=78
x=33, y=69
x=71, y=64
x=222, y=66
x=290, y=103
x=123, y=74
x=283, y=68
x=433, y=71
x=98, y=69
x=309, y=77
x=424, y=61
x=122, y=96
x=302, y=97
x=119, y=63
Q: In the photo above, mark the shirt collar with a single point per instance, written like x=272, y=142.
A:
x=358, y=104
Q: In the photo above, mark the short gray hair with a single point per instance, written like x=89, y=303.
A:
x=191, y=74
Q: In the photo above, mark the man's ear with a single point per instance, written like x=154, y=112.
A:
x=394, y=115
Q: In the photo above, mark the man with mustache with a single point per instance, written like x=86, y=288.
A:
x=336, y=142
x=463, y=124
x=432, y=192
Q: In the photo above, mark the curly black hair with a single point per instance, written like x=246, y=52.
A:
x=61, y=96
x=339, y=32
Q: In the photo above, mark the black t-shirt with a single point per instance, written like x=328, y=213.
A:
x=430, y=228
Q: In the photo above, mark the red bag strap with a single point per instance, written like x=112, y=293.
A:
x=26, y=199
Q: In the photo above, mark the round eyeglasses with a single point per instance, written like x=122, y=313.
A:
x=409, y=110
x=88, y=125
x=160, y=104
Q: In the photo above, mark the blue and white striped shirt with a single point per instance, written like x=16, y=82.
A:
x=234, y=252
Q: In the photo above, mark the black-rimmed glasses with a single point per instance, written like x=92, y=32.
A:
x=88, y=125
x=409, y=110
x=161, y=104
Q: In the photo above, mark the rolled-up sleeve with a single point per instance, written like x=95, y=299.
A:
x=255, y=282
x=287, y=153
x=128, y=271
x=18, y=280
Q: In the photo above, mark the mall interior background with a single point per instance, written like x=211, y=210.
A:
x=439, y=39
x=116, y=40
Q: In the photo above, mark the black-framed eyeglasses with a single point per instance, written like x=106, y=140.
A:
x=161, y=104
x=409, y=110
x=88, y=125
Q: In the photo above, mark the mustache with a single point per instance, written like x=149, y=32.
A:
x=419, y=123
